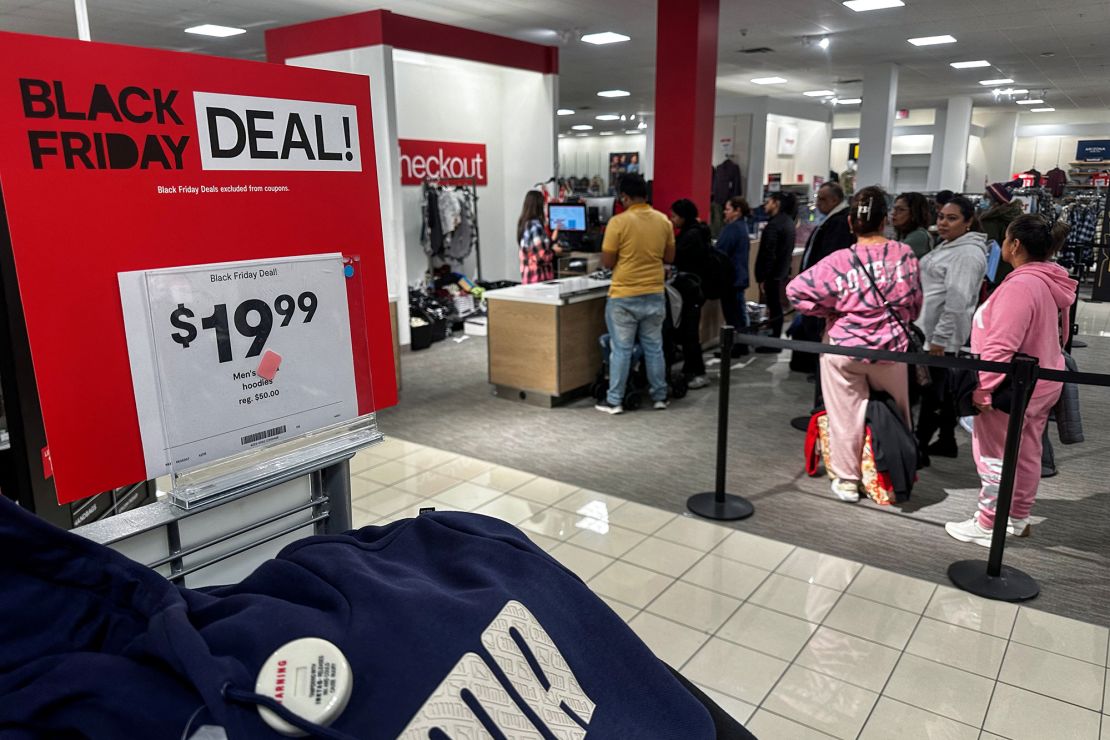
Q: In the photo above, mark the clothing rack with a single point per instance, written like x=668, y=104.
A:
x=471, y=187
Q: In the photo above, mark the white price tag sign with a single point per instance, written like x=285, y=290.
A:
x=227, y=357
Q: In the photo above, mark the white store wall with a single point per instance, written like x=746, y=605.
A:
x=811, y=155
x=422, y=96
x=587, y=156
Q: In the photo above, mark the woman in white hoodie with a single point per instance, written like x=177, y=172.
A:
x=951, y=278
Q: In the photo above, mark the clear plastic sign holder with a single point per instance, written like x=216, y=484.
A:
x=257, y=379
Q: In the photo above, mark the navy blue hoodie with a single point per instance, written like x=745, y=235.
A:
x=95, y=645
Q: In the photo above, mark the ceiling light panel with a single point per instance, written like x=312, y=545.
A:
x=1041, y=110
x=583, y=127
x=992, y=83
x=614, y=94
x=932, y=40
x=849, y=101
x=818, y=93
x=769, y=80
x=608, y=117
x=862, y=6
x=972, y=64
x=566, y=112
x=605, y=37
x=209, y=29
x=1036, y=101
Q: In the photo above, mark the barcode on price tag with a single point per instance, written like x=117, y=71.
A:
x=259, y=436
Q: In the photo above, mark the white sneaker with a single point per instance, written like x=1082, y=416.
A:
x=698, y=381
x=969, y=531
x=660, y=405
x=1019, y=527
x=609, y=408
x=845, y=490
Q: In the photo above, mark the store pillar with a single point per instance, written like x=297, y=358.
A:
x=936, y=157
x=876, y=132
x=953, y=150
x=685, y=100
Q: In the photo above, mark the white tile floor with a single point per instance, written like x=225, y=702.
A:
x=794, y=643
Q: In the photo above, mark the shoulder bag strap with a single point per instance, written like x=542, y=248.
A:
x=886, y=304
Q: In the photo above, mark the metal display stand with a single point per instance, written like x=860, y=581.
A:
x=224, y=541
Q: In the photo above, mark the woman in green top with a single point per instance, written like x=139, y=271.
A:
x=910, y=219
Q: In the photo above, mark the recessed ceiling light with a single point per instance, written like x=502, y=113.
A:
x=581, y=134
x=218, y=31
x=824, y=42
x=608, y=117
x=614, y=94
x=1035, y=101
x=971, y=65
x=583, y=127
x=992, y=83
x=606, y=133
x=633, y=132
x=1041, y=110
x=606, y=37
x=849, y=101
x=861, y=6
x=769, y=80
x=566, y=112
x=818, y=93
x=932, y=40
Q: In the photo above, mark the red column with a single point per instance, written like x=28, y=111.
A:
x=685, y=96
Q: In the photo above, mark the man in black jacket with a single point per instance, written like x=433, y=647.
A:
x=833, y=234
x=772, y=264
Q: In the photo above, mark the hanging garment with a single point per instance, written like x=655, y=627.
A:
x=462, y=240
x=454, y=625
x=1056, y=180
x=727, y=182
x=431, y=232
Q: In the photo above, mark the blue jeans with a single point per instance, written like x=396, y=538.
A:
x=626, y=318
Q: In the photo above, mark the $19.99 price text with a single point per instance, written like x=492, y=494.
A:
x=252, y=319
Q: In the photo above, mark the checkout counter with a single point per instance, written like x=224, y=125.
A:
x=543, y=338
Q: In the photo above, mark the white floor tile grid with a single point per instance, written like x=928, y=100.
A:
x=841, y=650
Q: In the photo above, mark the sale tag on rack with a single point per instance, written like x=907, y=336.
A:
x=228, y=357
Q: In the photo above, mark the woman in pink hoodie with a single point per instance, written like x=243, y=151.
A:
x=1027, y=313
x=857, y=290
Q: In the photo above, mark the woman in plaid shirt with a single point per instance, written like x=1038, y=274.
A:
x=537, y=249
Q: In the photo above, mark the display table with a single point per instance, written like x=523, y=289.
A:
x=543, y=339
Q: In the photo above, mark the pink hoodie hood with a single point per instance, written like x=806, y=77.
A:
x=1055, y=277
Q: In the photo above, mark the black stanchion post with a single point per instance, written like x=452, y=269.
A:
x=718, y=504
x=998, y=581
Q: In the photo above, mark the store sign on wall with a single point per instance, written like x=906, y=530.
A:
x=1093, y=150
x=449, y=162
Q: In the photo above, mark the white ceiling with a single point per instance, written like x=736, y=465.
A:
x=1014, y=35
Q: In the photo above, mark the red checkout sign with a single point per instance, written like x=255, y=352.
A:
x=445, y=161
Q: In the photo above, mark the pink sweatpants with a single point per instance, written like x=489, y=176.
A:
x=846, y=385
x=988, y=444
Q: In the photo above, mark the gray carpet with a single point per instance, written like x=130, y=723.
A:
x=661, y=457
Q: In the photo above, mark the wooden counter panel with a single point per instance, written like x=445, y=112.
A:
x=580, y=327
x=523, y=345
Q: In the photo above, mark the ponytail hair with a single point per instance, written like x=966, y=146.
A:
x=869, y=209
x=1040, y=238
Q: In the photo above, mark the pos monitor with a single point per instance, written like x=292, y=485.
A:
x=566, y=217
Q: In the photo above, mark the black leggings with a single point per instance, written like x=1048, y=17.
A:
x=772, y=290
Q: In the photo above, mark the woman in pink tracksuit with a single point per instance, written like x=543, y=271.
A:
x=1027, y=313
x=849, y=288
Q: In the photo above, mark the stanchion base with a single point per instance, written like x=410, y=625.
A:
x=1012, y=585
x=733, y=507
x=801, y=423
x=1078, y=344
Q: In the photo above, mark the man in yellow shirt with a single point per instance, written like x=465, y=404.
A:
x=637, y=244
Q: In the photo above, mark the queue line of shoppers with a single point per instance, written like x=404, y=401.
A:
x=870, y=292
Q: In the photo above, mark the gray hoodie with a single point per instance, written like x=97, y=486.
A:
x=951, y=277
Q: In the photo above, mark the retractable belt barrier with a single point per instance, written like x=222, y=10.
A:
x=995, y=580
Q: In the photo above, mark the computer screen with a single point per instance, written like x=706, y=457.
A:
x=567, y=216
